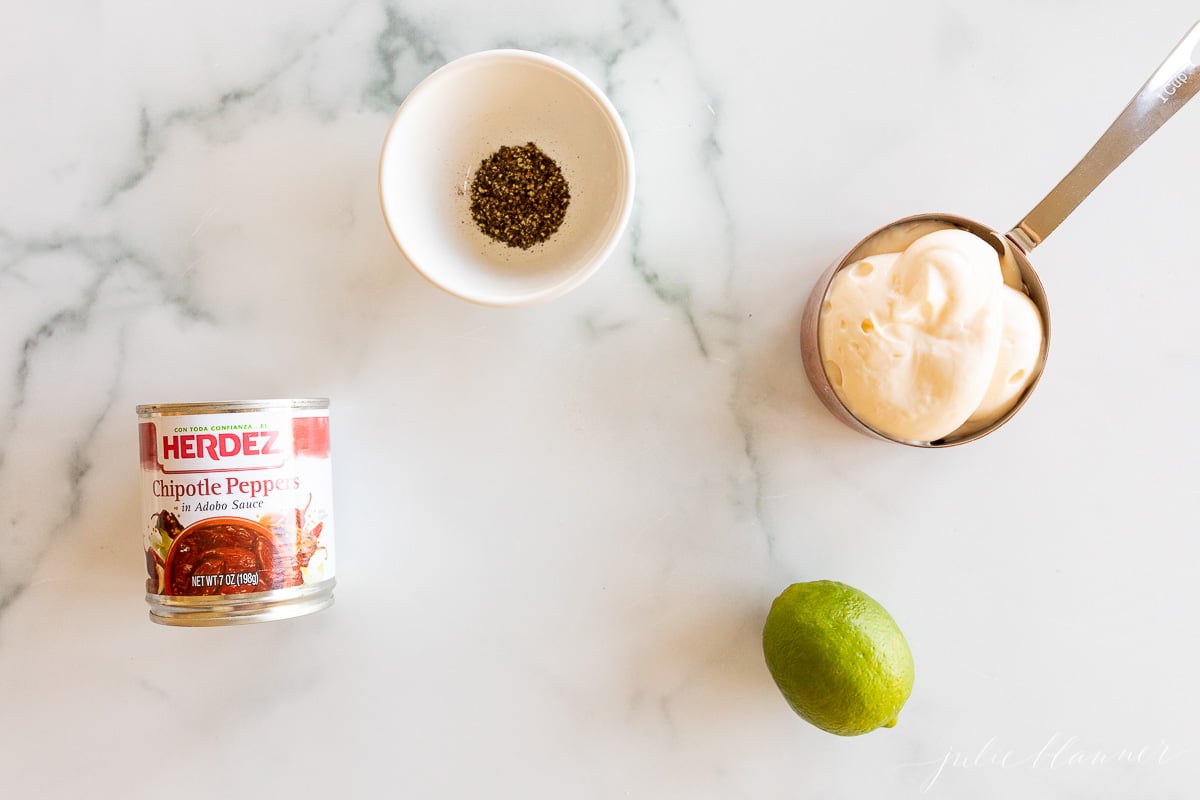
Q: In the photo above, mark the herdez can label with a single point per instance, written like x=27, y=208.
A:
x=237, y=510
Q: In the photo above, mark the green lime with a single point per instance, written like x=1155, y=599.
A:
x=838, y=657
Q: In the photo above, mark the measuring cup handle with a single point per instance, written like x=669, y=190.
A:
x=1171, y=85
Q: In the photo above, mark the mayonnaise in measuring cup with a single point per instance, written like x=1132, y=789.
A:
x=923, y=342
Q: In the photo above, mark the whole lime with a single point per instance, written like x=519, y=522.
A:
x=838, y=657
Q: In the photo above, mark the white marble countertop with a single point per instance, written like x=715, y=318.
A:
x=561, y=527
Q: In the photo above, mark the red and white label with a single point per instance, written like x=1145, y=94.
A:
x=237, y=502
x=231, y=442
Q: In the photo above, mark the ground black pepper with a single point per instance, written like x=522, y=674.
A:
x=519, y=196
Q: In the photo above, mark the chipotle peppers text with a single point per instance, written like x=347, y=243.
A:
x=210, y=487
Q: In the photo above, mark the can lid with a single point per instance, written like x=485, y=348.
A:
x=228, y=406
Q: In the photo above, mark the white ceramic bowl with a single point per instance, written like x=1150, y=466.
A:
x=461, y=114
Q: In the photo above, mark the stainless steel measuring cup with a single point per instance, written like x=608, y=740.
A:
x=1171, y=85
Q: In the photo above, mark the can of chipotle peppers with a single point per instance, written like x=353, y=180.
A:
x=237, y=510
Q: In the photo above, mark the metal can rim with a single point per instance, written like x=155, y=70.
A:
x=229, y=406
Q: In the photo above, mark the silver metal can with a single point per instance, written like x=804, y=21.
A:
x=237, y=510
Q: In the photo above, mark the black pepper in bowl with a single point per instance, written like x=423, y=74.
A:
x=519, y=196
